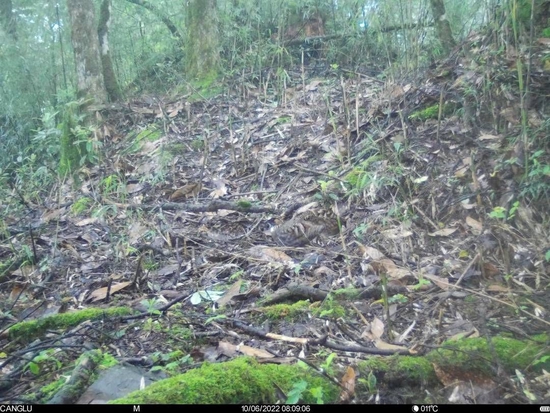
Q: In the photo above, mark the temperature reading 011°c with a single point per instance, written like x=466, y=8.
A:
x=425, y=408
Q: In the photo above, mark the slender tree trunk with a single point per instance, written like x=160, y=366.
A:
x=90, y=84
x=202, y=57
x=89, y=73
x=442, y=26
x=111, y=84
x=7, y=18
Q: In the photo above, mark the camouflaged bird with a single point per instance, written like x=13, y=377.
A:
x=305, y=228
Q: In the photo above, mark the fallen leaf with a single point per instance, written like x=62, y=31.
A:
x=476, y=226
x=377, y=327
x=370, y=252
x=348, y=384
x=229, y=294
x=253, y=352
x=445, y=232
x=227, y=349
x=101, y=293
x=269, y=255
x=86, y=221
x=136, y=231
x=396, y=233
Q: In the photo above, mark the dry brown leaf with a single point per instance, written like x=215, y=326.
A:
x=377, y=327
x=466, y=204
x=324, y=271
x=269, y=255
x=476, y=226
x=487, y=137
x=370, y=252
x=254, y=352
x=348, y=384
x=133, y=188
x=229, y=294
x=445, y=232
x=440, y=282
x=101, y=293
x=135, y=232
x=227, y=349
x=490, y=270
x=497, y=288
x=396, y=233
x=86, y=221
x=220, y=190
x=397, y=273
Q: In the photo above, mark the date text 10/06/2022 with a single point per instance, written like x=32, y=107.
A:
x=275, y=408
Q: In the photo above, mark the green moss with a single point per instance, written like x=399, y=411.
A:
x=197, y=144
x=28, y=330
x=244, y=203
x=432, y=112
x=286, y=311
x=400, y=369
x=50, y=389
x=242, y=380
x=151, y=134
x=346, y=294
x=107, y=361
x=474, y=354
x=470, y=355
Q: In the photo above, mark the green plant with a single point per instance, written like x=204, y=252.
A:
x=295, y=394
x=370, y=382
x=327, y=365
x=360, y=230
x=398, y=298
x=541, y=360
x=111, y=184
x=299, y=388
x=536, y=184
x=80, y=205
x=236, y=275
x=499, y=212
x=172, y=361
x=44, y=359
x=151, y=306
x=421, y=283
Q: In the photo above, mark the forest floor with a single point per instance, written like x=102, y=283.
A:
x=323, y=212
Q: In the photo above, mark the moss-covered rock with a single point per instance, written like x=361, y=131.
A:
x=242, y=380
x=468, y=355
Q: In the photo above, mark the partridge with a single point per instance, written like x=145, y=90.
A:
x=304, y=229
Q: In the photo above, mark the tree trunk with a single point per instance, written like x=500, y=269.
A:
x=442, y=26
x=7, y=18
x=202, y=57
x=89, y=74
x=111, y=84
x=90, y=84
